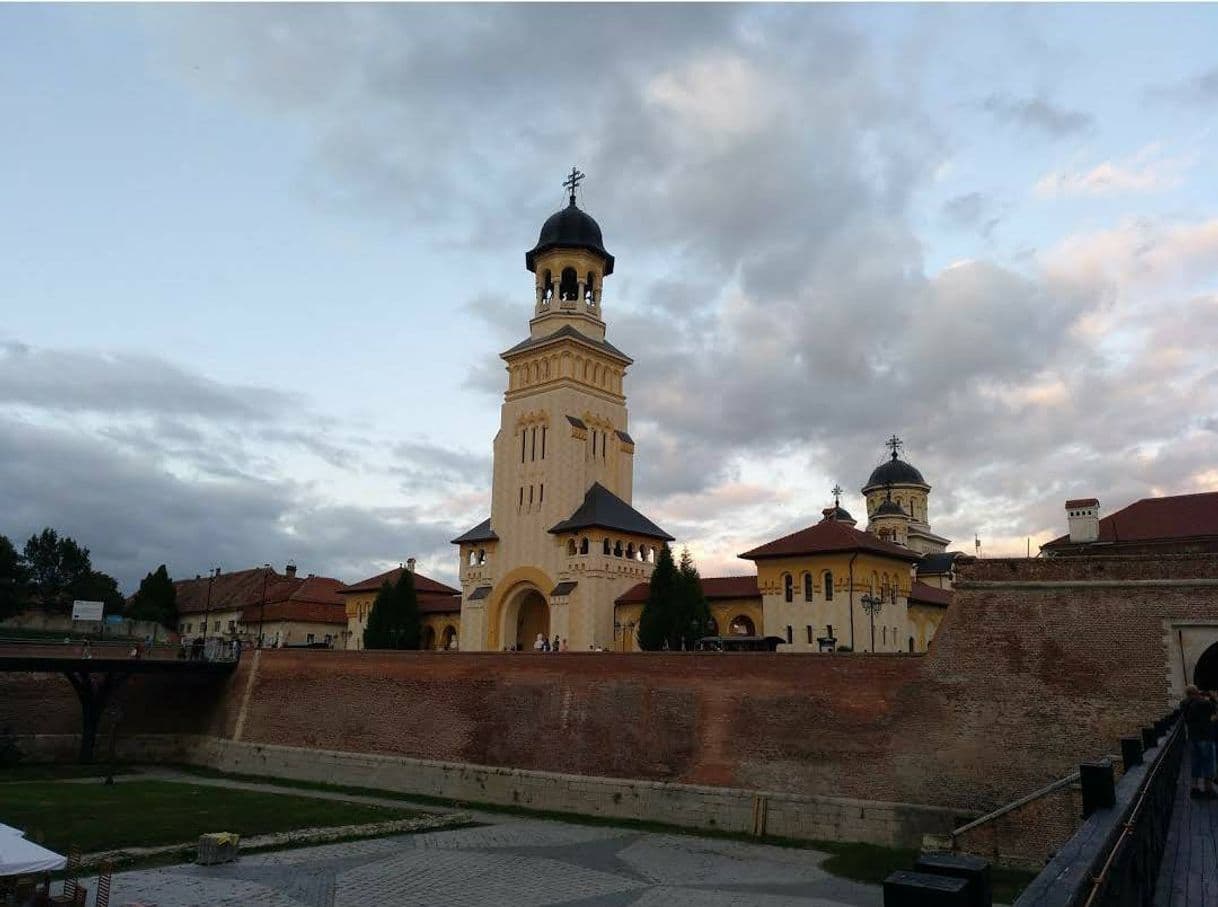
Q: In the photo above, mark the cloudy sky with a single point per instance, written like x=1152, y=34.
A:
x=258, y=262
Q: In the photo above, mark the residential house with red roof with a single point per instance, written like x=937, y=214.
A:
x=1178, y=524
x=280, y=609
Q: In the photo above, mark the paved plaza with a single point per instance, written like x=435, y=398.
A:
x=511, y=862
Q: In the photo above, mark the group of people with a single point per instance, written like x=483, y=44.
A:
x=1200, y=712
x=542, y=644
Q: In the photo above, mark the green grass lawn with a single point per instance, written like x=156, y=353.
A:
x=137, y=813
x=53, y=771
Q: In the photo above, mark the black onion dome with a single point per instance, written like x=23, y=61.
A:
x=569, y=228
x=839, y=513
x=895, y=472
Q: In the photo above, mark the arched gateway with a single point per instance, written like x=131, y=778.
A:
x=527, y=614
x=1205, y=674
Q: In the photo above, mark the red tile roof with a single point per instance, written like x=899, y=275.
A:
x=1182, y=516
x=713, y=587
x=421, y=583
x=244, y=588
x=922, y=594
x=1083, y=502
x=828, y=537
x=302, y=611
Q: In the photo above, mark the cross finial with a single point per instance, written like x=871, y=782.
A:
x=571, y=183
x=837, y=495
x=894, y=444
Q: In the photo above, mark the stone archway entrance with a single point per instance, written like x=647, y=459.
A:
x=1205, y=674
x=428, y=640
x=742, y=625
x=528, y=615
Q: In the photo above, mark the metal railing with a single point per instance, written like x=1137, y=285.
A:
x=1113, y=859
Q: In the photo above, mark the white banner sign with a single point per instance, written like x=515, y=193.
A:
x=87, y=610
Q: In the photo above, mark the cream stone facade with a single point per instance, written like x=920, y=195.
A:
x=562, y=541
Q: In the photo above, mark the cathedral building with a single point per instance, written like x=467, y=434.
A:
x=564, y=554
x=562, y=541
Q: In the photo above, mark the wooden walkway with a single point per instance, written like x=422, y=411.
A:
x=1188, y=875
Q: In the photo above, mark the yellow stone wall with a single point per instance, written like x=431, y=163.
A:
x=924, y=621
x=723, y=610
x=871, y=573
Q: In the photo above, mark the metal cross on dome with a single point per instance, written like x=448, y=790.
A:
x=894, y=444
x=837, y=495
x=571, y=183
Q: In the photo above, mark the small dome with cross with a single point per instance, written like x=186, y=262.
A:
x=570, y=228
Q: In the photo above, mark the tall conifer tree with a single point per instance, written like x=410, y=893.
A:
x=393, y=622
x=693, y=620
x=156, y=599
x=657, y=620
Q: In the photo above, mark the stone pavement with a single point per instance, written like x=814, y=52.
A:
x=513, y=862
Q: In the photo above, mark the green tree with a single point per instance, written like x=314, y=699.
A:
x=156, y=599
x=393, y=622
x=656, y=623
x=693, y=613
x=56, y=566
x=96, y=586
x=12, y=578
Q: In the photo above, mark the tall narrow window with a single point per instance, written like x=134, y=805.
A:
x=533, y=453
x=607, y=548
x=808, y=589
x=530, y=495
x=521, y=495
x=543, y=442
x=541, y=494
x=788, y=588
x=809, y=634
x=524, y=437
x=790, y=635
x=828, y=587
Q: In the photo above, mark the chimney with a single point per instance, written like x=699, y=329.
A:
x=410, y=564
x=290, y=569
x=1083, y=515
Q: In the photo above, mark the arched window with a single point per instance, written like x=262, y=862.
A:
x=788, y=587
x=807, y=587
x=569, y=287
x=481, y=556
x=884, y=635
x=571, y=549
x=828, y=586
x=608, y=550
x=473, y=557
x=590, y=288
x=583, y=545
x=548, y=285
x=617, y=549
x=630, y=552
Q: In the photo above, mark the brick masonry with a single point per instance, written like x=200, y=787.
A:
x=1037, y=666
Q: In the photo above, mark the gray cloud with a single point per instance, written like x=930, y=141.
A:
x=1200, y=90
x=1036, y=113
x=88, y=380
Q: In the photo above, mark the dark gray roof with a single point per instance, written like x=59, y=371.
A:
x=938, y=562
x=570, y=228
x=480, y=593
x=896, y=472
x=564, y=588
x=625, y=437
x=578, y=423
x=480, y=533
x=605, y=510
x=567, y=331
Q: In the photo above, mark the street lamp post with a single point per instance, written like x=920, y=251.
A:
x=872, y=604
x=262, y=606
x=211, y=578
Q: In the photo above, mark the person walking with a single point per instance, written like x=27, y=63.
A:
x=555, y=646
x=1199, y=711
x=539, y=644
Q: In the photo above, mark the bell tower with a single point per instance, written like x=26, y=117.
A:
x=562, y=541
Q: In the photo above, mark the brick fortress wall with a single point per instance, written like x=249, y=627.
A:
x=1038, y=665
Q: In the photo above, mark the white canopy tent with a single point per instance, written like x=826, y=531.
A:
x=19, y=857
